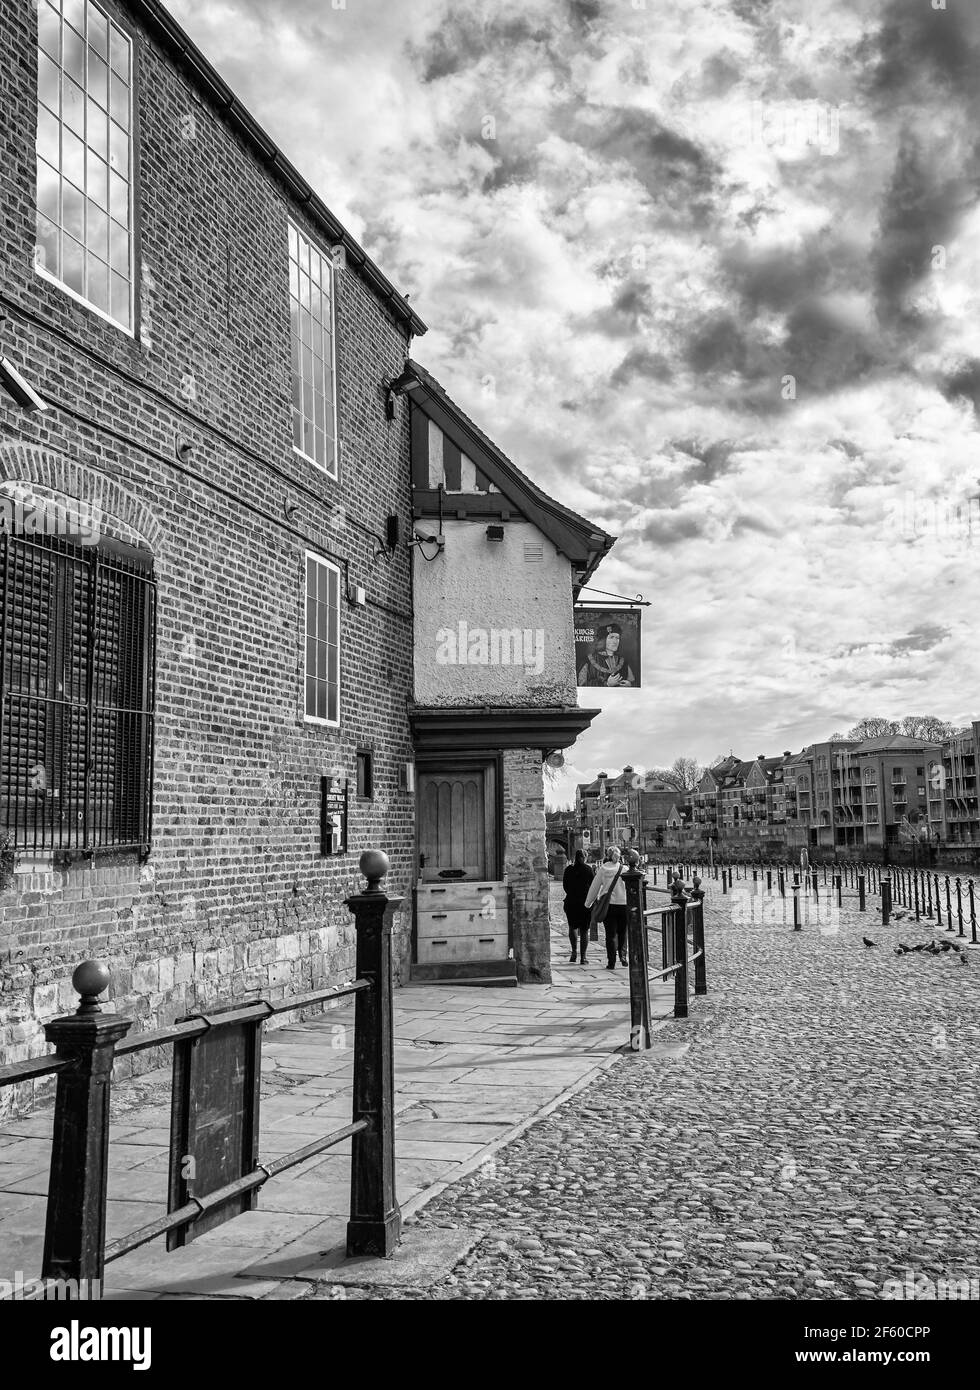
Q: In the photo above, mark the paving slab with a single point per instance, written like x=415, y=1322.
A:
x=421, y=1260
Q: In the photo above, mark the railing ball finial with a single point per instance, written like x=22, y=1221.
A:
x=90, y=979
x=374, y=865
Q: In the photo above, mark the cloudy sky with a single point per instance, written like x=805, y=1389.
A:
x=710, y=272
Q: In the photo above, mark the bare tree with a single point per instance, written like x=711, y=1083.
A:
x=874, y=726
x=683, y=775
x=926, y=726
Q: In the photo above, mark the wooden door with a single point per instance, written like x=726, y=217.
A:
x=456, y=820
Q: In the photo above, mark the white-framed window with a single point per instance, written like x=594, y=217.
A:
x=321, y=691
x=85, y=157
x=311, y=312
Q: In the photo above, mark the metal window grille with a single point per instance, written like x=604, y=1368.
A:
x=77, y=656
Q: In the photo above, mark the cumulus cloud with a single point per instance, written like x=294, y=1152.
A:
x=719, y=262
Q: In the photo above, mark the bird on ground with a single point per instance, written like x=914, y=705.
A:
x=867, y=942
x=933, y=949
x=903, y=949
x=947, y=946
x=964, y=958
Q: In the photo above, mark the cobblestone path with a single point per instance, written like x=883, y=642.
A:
x=810, y=1132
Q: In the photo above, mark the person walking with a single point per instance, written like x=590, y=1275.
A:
x=576, y=881
x=608, y=888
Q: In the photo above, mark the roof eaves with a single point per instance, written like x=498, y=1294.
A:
x=596, y=539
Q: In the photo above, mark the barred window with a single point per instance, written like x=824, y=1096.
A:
x=84, y=156
x=322, y=641
x=312, y=318
x=76, y=698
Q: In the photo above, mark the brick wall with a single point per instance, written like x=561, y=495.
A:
x=234, y=899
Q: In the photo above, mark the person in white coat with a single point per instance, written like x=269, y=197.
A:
x=611, y=873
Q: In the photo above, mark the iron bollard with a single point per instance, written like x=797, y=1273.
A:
x=724, y=881
x=959, y=907
x=861, y=906
x=681, y=988
x=949, y=907
x=915, y=884
x=928, y=887
x=639, y=977
x=973, y=913
x=939, y=910
x=74, y=1232
x=796, y=903
x=886, y=901
x=700, y=965
x=838, y=889
x=375, y=1221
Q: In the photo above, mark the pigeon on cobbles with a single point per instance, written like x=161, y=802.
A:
x=867, y=942
x=964, y=958
x=901, y=950
x=947, y=946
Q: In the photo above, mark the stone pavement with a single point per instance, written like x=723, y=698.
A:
x=473, y=1067
x=810, y=1132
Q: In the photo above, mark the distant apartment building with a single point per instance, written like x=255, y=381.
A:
x=631, y=810
x=850, y=793
x=952, y=787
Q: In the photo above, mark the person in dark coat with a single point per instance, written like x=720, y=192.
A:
x=576, y=881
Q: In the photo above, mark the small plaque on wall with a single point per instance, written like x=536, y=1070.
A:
x=333, y=815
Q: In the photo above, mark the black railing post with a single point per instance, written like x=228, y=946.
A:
x=724, y=881
x=973, y=912
x=781, y=880
x=838, y=889
x=796, y=903
x=861, y=892
x=949, y=907
x=886, y=900
x=959, y=907
x=939, y=909
x=375, y=1221
x=74, y=1233
x=915, y=886
x=928, y=887
x=636, y=937
x=680, y=957
x=700, y=965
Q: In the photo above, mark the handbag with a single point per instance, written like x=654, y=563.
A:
x=601, y=905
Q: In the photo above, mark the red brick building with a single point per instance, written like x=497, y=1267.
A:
x=207, y=628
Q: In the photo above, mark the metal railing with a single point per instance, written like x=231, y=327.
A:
x=949, y=901
x=87, y=1044
x=681, y=948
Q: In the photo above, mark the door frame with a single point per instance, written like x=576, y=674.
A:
x=470, y=762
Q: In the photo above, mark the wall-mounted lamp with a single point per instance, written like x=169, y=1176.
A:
x=421, y=539
x=402, y=383
x=495, y=533
x=183, y=450
x=21, y=391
